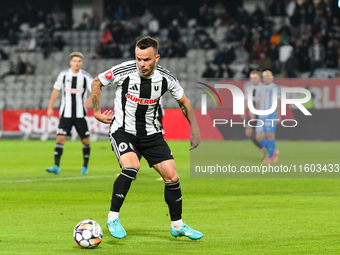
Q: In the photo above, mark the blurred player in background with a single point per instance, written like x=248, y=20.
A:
x=74, y=84
x=139, y=85
x=254, y=85
x=265, y=134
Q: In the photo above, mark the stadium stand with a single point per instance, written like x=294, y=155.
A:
x=215, y=36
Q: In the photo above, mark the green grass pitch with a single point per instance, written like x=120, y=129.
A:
x=237, y=216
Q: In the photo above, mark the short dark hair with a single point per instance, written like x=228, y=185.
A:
x=147, y=42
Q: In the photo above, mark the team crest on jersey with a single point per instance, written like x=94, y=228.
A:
x=122, y=147
x=108, y=75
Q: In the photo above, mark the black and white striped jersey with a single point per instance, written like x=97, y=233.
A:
x=137, y=97
x=74, y=87
x=255, y=89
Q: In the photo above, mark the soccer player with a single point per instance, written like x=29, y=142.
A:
x=139, y=85
x=265, y=134
x=255, y=84
x=74, y=84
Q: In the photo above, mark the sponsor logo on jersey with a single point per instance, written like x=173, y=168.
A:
x=156, y=87
x=74, y=91
x=108, y=75
x=141, y=100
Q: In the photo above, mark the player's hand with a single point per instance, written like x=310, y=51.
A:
x=195, y=140
x=105, y=117
x=49, y=112
x=87, y=103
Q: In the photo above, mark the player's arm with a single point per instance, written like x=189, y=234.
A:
x=54, y=96
x=87, y=102
x=189, y=114
x=96, y=88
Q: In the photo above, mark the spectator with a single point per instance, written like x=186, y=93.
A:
x=242, y=16
x=275, y=38
x=180, y=49
x=145, y=18
x=173, y=33
x=27, y=44
x=284, y=53
x=182, y=19
x=267, y=31
x=284, y=37
x=12, y=37
x=153, y=26
x=316, y=54
x=295, y=22
x=264, y=63
x=258, y=15
x=107, y=36
x=236, y=34
x=84, y=22
x=277, y=8
x=209, y=17
x=208, y=72
x=331, y=56
x=247, y=70
x=124, y=12
x=47, y=45
x=302, y=55
x=115, y=51
x=20, y=67
x=29, y=69
x=164, y=19
x=3, y=54
x=241, y=55
x=228, y=56
x=224, y=72
x=208, y=43
x=218, y=57
x=59, y=43
x=291, y=66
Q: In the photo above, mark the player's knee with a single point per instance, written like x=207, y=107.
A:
x=249, y=132
x=171, y=178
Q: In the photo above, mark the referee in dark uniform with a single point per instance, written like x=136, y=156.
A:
x=74, y=83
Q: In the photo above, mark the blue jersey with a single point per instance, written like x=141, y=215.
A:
x=265, y=96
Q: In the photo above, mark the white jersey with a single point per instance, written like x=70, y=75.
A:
x=137, y=97
x=73, y=87
x=255, y=90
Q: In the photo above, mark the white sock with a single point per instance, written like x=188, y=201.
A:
x=177, y=224
x=112, y=215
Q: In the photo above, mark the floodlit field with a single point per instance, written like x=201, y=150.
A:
x=237, y=216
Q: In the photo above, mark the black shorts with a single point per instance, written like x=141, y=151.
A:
x=66, y=124
x=153, y=147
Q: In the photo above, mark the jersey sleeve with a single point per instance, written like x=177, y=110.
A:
x=89, y=80
x=59, y=82
x=278, y=92
x=107, y=77
x=175, y=89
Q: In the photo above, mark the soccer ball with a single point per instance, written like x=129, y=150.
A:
x=88, y=234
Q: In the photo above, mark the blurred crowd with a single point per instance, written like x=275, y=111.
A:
x=289, y=38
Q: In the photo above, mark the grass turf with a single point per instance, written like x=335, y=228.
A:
x=237, y=216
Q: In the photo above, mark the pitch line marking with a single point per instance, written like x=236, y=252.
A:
x=57, y=179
